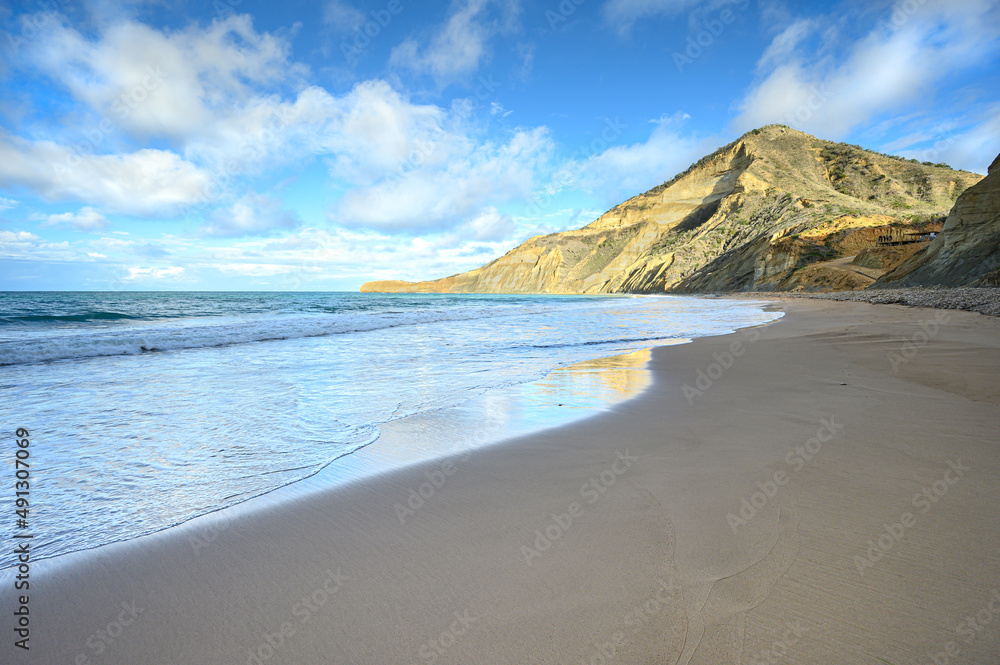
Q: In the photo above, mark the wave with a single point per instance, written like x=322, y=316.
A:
x=150, y=339
x=82, y=317
x=609, y=340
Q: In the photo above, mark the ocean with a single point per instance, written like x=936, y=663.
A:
x=148, y=409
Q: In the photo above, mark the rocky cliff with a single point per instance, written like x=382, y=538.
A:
x=967, y=253
x=775, y=209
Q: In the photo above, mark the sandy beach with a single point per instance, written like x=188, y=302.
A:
x=822, y=489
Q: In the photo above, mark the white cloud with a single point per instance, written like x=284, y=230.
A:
x=147, y=274
x=838, y=87
x=342, y=17
x=8, y=237
x=254, y=269
x=215, y=98
x=783, y=46
x=110, y=245
x=459, y=46
x=489, y=225
x=621, y=171
x=252, y=214
x=7, y=204
x=144, y=182
x=211, y=92
x=20, y=245
x=971, y=147
x=174, y=85
x=85, y=219
x=622, y=14
x=373, y=131
x=496, y=108
x=310, y=256
x=441, y=192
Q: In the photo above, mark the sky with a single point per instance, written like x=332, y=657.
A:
x=293, y=145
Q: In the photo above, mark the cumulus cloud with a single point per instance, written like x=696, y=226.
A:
x=373, y=131
x=618, y=171
x=210, y=93
x=139, y=273
x=13, y=237
x=439, y=193
x=144, y=182
x=176, y=85
x=252, y=214
x=217, y=98
x=310, y=256
x=830, y=88
x=490, y=224
x=85, y=219
x=21, y=245
x=458, y=47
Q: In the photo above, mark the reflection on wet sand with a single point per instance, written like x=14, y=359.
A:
x=566, y=394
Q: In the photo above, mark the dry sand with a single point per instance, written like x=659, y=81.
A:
x=828, y=437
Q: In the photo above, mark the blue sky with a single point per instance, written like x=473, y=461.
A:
x=242, y=145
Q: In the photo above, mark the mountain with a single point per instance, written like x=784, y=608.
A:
x=777, y=209
x=968, y=251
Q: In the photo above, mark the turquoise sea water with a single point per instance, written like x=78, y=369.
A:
x=148, y=409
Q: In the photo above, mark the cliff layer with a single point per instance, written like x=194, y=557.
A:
x=968, y=251
x=776, y=209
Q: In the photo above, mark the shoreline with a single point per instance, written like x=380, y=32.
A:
x=982, y=299
x=610, y=537
x=309, y=460
x=621, y=377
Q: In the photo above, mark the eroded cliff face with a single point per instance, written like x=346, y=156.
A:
x=753, y=215
x=968, y=251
